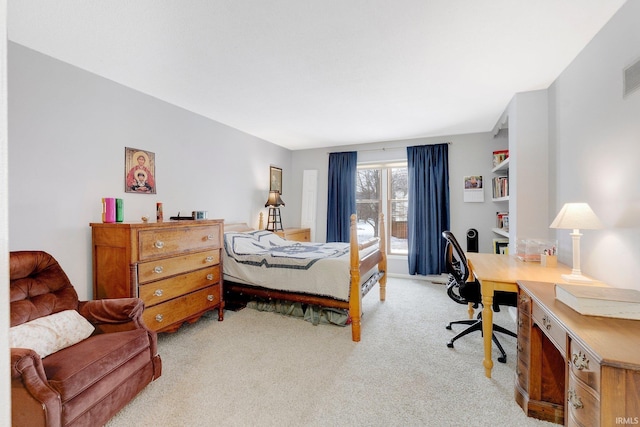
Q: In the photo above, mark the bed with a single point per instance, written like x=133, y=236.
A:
x=260, y=264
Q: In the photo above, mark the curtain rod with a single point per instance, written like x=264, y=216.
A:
x=389, y=148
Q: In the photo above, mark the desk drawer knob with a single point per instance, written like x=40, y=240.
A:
x=209, y=297
x=159, y=244
x=210, y=237
x=209, y=259
x=574, y=400
x=157, y=293
x=209, y=276
x=580, y=361
x=159, y=317
x=158, y=269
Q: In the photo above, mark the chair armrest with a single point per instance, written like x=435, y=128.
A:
x=31, y=390
x=115, y=311
x=115, y=315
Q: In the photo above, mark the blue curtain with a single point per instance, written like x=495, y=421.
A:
x=342, y=194
x=428, y=216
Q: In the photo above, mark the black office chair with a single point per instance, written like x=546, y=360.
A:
x=464, y=292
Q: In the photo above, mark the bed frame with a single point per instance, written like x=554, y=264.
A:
x=358, y=268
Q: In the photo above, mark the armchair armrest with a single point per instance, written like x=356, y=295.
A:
x=123, y=313
x=39, y=402
x=115, y=315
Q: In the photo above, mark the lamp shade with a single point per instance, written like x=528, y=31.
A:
x=576, y=216
x=274, y=199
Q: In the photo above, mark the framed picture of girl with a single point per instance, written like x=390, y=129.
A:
x=140, y=171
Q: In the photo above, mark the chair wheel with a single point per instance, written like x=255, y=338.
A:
x=502, y=359
x=450, y=344
x=448, y=327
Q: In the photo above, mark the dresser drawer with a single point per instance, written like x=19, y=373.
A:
x=163, y=290
x=584, y=366
x=550, y=326
x=583, y=404
x=163, y=242
x=164, y=315
x=159, y=269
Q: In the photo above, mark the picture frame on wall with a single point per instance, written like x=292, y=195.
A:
x=275, y=179
x=140, y=171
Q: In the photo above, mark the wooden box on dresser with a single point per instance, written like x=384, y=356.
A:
x=175, y=267
x=572, y=369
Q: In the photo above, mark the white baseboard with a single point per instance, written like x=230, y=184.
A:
x=442, y=278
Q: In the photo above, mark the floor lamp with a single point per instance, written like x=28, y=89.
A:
x=576, y=216
x=274, y=222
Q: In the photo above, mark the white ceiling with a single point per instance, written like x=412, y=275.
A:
x=314, y=73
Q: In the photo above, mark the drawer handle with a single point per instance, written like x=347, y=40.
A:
x=158, y=269
x=158, y=293
x=210, y=297
x=159, y=244
x=524, y=299
x=210, y=237
x=209, y=259
x=580, y=361
x=546, y=322
x=574, y=400
x=209, y=276
x=159, y=317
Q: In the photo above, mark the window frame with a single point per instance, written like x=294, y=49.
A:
x=385, y=202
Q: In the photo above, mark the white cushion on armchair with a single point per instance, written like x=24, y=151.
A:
x=48, y=334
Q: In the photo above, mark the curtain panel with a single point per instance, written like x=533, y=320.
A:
x=342, y=194
x=428, y=216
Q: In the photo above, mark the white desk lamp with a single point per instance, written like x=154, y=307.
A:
x=576, y=216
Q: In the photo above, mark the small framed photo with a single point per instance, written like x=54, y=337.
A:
x=275, y=179
x=140, y=171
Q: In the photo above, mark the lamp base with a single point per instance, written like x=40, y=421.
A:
x=579, y=278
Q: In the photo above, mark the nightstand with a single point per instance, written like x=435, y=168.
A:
x=296, y=234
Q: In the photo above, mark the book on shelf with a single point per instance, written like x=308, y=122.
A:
x=603, y=301
x=500, y=186
x=500, y=156
x=502, y=220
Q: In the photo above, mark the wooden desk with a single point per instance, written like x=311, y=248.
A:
x=500, y=273
x=574, y=369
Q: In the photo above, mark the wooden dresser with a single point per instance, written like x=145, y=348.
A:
x=296, y=234
x=572, y=369
x=175, y=267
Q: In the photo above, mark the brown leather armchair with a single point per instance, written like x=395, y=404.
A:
x=89, y=382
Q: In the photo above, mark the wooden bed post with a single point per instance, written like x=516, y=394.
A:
x=355, y=293
x=382, y=265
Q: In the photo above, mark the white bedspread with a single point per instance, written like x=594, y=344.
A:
x=262, y=258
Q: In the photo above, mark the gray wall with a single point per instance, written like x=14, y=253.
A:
x=595, y=150
x=68, y=129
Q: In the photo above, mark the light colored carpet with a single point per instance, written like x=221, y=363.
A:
x=265, y=369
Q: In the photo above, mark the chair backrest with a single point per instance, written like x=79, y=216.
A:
x=454, y=258
x=38, y=287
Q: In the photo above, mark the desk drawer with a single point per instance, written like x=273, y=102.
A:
x=162, y=268
x=583, y=404
x=584, y=366
x=551, y=328
x=163, y=290
x=165, y=314
x=162, y=242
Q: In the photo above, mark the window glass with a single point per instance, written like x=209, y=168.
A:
x=383, y=188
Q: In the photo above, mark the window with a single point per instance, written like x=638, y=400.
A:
x=383, y=188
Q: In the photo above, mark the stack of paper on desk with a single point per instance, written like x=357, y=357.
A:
x=601, y=301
